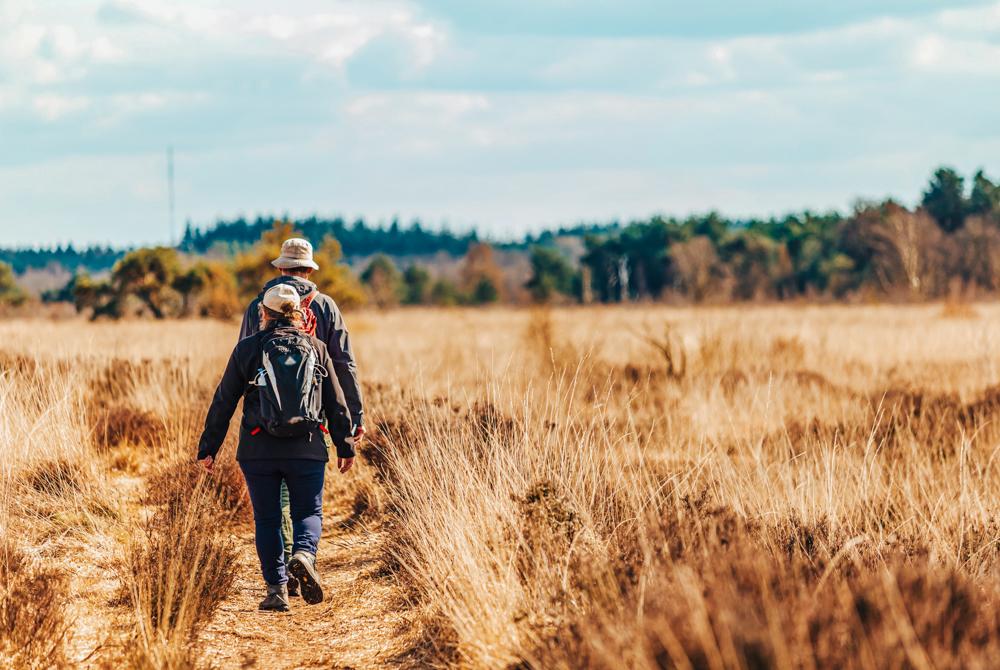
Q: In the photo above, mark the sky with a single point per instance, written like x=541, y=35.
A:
x=508, y=116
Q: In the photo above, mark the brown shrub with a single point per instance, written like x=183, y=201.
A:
x=787, y=353
x=181, y=479
x=811, y=378
x=18, y=364
x=56, y=478
x=958, y=309
x=121, y=423
x=65, y=493
x=635, y=373
x=33, y=628
x=121, y=376
x=374, y=450
x=546, y=511
x=725, y=592
x=933, y=419
x=731, y=380
x=492, y=424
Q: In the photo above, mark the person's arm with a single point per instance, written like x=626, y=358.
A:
x=338, y=343
x=251, y=320
x=227, y=396
x=338, y=417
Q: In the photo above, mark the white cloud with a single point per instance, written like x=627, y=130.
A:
x=973, y=19
x=938, y=54
x=420, y=123
x=194, y=17
x=52, y=107
x=374, y=105
x=436, y=106
x=330, y=33
x=36, y=53
x=46, y=46
x=121, y=106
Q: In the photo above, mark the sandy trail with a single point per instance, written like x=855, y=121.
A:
x=362, y=623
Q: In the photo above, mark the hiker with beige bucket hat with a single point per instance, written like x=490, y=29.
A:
x=291, y=405
x=323, y=320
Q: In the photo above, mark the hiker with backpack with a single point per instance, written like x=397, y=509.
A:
x=323, y=319
x=283, y=376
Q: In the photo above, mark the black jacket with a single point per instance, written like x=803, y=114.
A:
x=256, y=444
x=330, y=329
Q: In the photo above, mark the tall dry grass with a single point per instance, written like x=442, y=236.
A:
x=595, y=487
x=812, y=488
x=97, y=485
x=33, y=625
x=47, y=499
x=177, y=572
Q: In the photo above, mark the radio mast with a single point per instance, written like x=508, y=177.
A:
x=170, y=193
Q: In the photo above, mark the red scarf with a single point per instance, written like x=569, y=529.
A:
x=309, y=321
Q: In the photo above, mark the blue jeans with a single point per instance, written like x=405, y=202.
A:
x=286, y=515
x=305, y=492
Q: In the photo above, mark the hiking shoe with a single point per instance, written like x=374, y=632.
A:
x=302, y=566
x=293, y=586
x=276, y=600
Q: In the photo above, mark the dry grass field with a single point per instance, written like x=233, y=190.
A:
x=786, y=487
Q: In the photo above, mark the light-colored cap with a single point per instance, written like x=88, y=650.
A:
x=295, y=253
x=282, y=298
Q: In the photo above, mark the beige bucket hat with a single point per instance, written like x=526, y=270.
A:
x=282, y=298
x=295, y=253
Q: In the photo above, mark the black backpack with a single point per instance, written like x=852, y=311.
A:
x=289, y=385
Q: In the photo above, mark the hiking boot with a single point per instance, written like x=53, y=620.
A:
x=303, y=567
x=276, y=600
x=293, y=586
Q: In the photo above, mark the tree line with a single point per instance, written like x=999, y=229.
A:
x=92, y=258
x=162, y=283
x=227, y=238
x=950, y=242
x=360, y=237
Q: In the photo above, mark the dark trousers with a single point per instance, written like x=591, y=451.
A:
x=305, y=496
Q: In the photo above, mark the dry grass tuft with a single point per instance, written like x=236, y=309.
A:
x=122, y=423
x=57, y=478
x=33, y=627
x=958, y=309
x=182, y=480
x=64, y=496
x=177, y=572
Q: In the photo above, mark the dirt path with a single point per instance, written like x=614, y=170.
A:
x=362, y=623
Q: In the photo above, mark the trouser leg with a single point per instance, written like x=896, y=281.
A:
x=305, y=492
x=286, y=521
x=264, y=485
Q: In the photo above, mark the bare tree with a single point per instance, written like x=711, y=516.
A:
x=696, y=265
x=914, y=262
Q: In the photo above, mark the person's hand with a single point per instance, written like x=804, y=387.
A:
x=344, y=464
x=208, y=463
x=359, y=435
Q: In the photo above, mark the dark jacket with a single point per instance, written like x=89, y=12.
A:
x=242, y=368
x=330, y=329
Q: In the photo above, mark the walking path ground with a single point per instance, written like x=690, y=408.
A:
x=363, y=621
